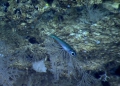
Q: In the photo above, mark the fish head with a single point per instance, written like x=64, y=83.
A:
x=72, y=53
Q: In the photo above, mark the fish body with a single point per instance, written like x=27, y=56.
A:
x=64, y=45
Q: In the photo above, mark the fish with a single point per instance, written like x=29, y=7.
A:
x=64, y=45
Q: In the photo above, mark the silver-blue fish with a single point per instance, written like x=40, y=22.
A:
x=64, y=45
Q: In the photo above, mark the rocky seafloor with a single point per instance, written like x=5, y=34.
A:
x=91, y=27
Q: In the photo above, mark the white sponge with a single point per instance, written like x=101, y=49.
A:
x=39, y=66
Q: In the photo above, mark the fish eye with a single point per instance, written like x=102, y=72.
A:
x=73, y=53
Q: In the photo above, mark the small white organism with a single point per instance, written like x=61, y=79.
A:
x=39, y=66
